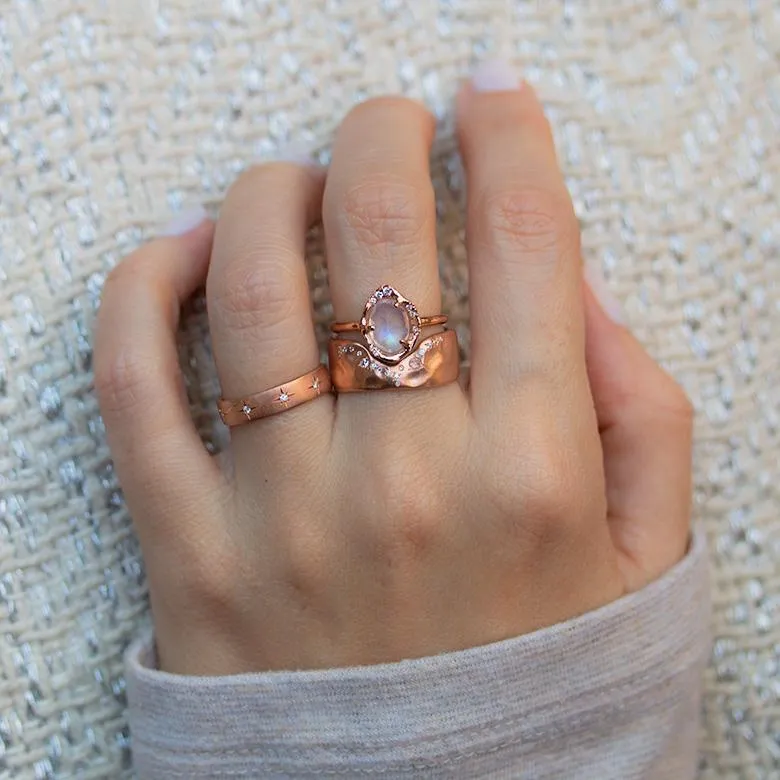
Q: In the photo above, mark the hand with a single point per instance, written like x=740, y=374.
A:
x=385, y=525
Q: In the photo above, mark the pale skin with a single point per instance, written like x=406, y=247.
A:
x=379, y=526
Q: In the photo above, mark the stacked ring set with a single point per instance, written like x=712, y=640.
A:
x=383, y=350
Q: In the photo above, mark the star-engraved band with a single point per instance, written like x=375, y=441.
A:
x=434, y=362
x=278, y=399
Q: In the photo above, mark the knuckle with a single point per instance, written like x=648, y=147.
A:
x=306, y=566
x=415, y=524
x=530, y=219
x=544, y=496
x=211, y=579
x=256, y=293
x=383, y=210
x=554, y=490
x=413, y=512
x=121, y=381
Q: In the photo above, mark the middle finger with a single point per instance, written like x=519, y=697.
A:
x=379, y=215
x=379, y=209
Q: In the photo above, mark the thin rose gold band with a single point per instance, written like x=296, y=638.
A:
x=278, y=399
x=350, y=327
x=434, y=362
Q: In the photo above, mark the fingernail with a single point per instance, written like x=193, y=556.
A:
x=606, y=298
x=185, y=221
x=495, y=76
x=297, y=153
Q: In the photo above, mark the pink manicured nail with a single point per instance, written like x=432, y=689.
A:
x=598, y=285
x=495, y=76
x=185, y=221
x=297, y=153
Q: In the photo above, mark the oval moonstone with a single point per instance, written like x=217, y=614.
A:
x=390, y=325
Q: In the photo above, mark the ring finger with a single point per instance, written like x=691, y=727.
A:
x=258, y=294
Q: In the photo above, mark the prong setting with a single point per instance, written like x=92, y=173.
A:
x=390, y=325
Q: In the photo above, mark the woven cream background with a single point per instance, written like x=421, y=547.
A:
x=114, y=114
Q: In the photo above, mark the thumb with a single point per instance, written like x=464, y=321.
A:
x=645, y=421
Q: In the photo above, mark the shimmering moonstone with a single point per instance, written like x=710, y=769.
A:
x=390, y=324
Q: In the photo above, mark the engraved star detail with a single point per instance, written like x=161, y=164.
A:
x=284, y=396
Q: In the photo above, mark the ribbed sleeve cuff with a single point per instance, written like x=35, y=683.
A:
x=617, y=687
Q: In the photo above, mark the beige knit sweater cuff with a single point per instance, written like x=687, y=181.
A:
x=612, y=694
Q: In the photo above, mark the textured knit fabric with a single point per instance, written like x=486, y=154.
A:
x=612, y=695
x=115, y=113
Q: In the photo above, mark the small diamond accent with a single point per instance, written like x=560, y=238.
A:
x=246, y=409
x=364, y=363
x=315, y=383
x=283, y=397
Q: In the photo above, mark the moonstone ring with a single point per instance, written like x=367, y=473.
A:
x=391, y=325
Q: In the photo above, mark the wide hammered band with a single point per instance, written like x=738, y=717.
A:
x=278, y=399
x=435, y=362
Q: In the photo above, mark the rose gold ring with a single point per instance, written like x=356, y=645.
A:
x=435, y=362
x=278, y=399
x=391, y=325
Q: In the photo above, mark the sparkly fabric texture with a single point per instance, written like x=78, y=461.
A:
x=115, y=114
